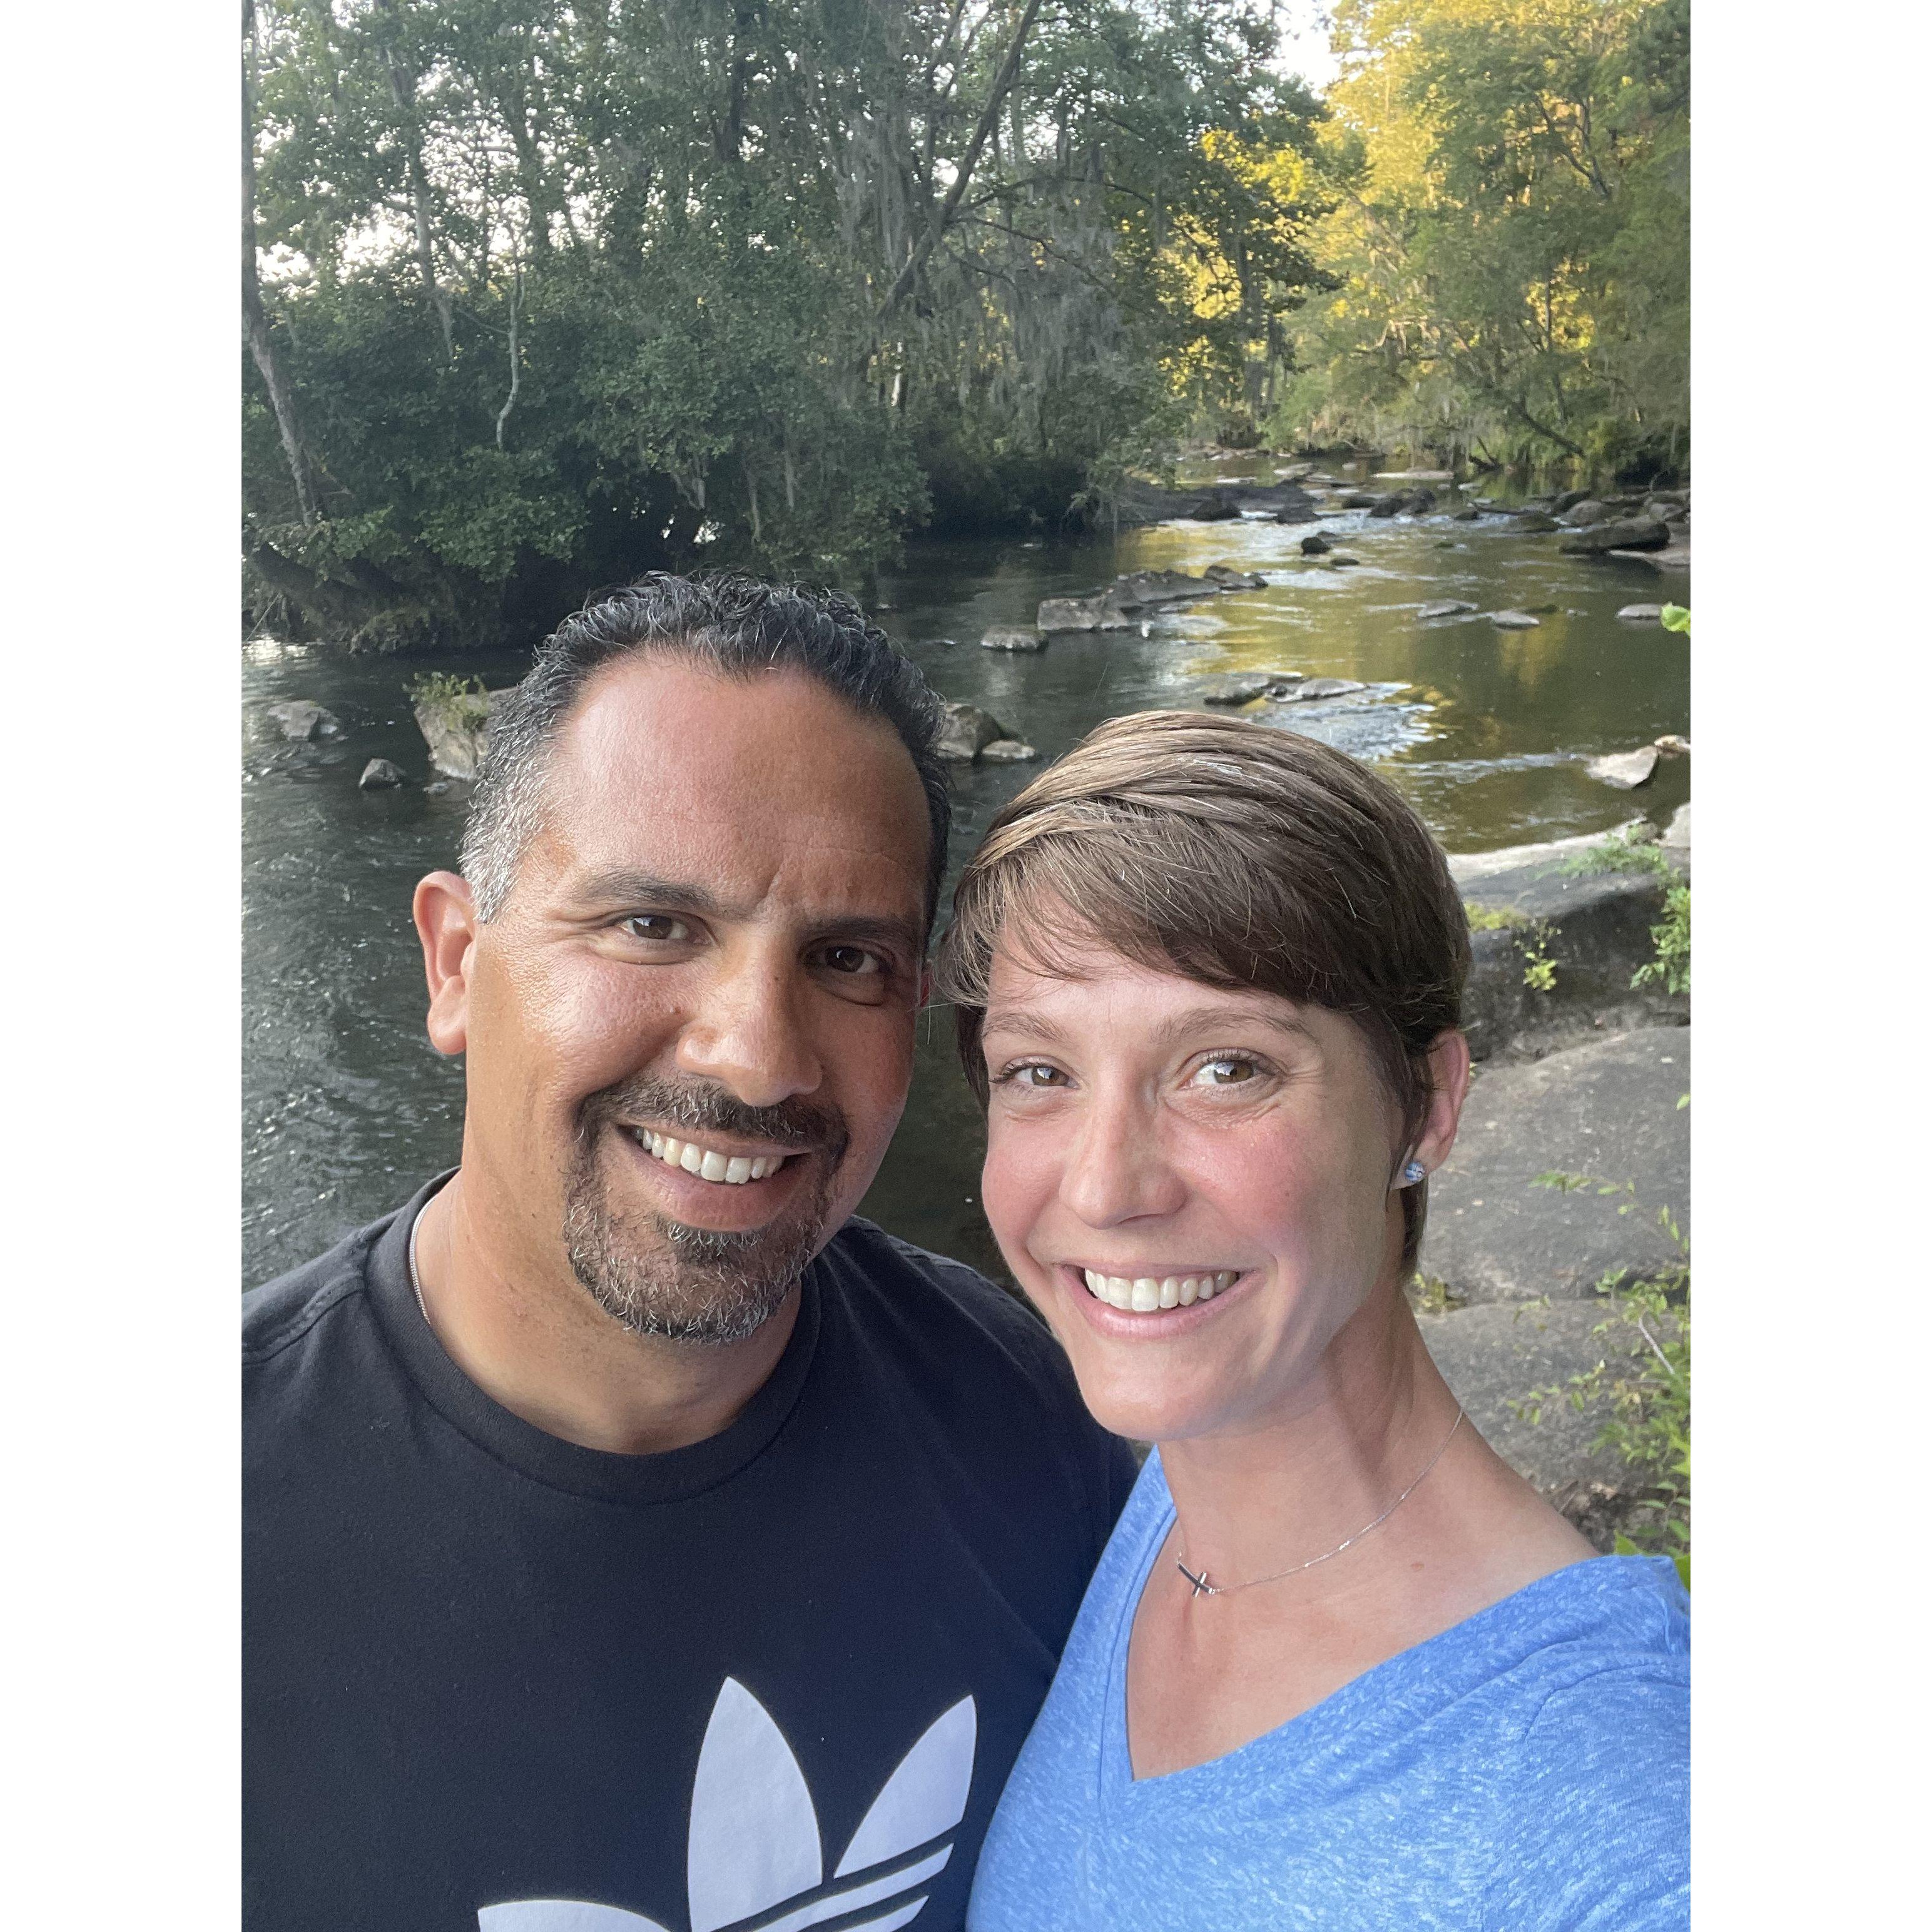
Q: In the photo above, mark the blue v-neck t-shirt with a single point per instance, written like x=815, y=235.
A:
x=1524, y=1771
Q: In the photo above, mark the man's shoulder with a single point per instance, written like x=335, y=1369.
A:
x=294, y=1307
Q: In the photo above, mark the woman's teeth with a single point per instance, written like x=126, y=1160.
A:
x=708, y=1164
x=1143, y=1294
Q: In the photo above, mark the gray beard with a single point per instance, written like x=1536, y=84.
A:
x=657, y=1276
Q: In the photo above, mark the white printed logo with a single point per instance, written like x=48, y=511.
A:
x=754, y=1843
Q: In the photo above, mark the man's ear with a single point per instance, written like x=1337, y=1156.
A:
x=1449, y=1087
x=446, y=923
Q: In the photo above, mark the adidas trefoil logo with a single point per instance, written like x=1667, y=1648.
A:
x=754, y=1844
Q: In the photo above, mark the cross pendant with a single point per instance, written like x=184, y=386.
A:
x=1202, y=1585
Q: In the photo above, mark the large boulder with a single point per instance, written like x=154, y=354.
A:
x=1216, y=509
x=1419, y=502
x=303, y=720
x=1626, y=770
x=967, y=732
x=455, y=726
x=1389, y=506
x=1592, y=510
x=1360, y=500
x=1593, y=926
x=1514, y=620
x=1642, y=613
x=1536, y=522
x=1226, y=577
x=1677, y=833
x=1446, y=606
x=1318, y=545
x=1569, y=499
x=1242, y=687
x=1631, y=533
x=1007, y=751
x=1013, y=640
x=1606, y=1108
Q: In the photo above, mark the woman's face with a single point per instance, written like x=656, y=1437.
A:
x=1228, y=1155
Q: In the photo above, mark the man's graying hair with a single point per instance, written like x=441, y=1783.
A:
x=733, y=625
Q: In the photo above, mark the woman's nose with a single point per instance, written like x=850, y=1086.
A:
x=1116, y=1168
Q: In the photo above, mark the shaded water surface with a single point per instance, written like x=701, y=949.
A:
x=346, y=1106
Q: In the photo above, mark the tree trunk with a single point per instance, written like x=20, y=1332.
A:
x=254, y=317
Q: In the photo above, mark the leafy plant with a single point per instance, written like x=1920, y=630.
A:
x=1671, y=935
x=1676, y=617
x=437, y=690
x=1646, y=1389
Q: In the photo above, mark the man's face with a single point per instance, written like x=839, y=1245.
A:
x=689, y=1029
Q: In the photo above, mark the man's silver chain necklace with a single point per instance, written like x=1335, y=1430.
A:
x=1202, y=1588
x=415, y=1279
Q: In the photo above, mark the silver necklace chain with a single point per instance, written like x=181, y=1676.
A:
x=415, y=1279
x=1203, y=1588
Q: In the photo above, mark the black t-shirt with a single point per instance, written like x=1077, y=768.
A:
x=776, y=1679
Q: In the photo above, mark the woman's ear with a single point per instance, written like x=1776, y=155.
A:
x=1448, y=1088
x=446, y=924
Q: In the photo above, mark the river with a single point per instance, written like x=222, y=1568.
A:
x=345, y=1107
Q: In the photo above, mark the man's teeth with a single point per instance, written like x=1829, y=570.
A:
x=708, y=1164
x=1143, y=1294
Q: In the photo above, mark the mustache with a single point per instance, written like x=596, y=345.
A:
x=695, y=1105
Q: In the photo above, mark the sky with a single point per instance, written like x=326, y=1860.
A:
x=1304, y=44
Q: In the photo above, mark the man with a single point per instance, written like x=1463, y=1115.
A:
x=634, y=1539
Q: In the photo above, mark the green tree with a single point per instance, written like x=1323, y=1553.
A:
x=539, y=295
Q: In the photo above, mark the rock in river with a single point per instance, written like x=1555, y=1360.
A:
x=456, y=727
x=302, y=719
x=1642, y=613
x=1228, y=578
x=1582, y=516
x=1535, y=521
x=1445, y=607
x=1013, y=640
x=967, y=732
x=1341, y=560
x=1629, y=533
x=1242, y=687
x=1007, y=751
x=1312, y=689
x=1318, y=545
x=1514, y=620
x=1626, y=770
x=380, y=775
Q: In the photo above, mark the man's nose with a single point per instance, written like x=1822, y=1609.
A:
x=747, y=1032
x=1116, y=1168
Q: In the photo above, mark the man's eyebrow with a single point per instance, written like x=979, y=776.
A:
x=623, y=885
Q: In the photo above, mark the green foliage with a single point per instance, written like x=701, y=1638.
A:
x=548, y=296
x=1671, y=936
x=1645, y=1390
x=1509, y=235
x=437, y=690
x=1539, y=970
x=1493, y=918
x=1676, y=617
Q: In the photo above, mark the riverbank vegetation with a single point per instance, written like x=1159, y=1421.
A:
x=537, y=296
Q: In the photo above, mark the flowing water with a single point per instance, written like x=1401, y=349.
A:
x=346, y=1106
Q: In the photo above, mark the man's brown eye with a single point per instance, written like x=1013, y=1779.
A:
x=655, y=925
x=853, y=960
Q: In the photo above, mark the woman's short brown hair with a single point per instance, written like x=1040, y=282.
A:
x=1235, y=853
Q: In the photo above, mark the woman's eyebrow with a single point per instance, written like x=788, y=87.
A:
x=1020, y=1020
x=1220, y=1019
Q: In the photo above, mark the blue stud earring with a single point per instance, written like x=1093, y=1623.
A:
x=1414, y=1172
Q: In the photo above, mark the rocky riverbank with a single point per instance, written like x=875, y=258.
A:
x=1576, y=1072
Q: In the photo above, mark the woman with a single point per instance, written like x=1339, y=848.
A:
x=1340, y=1665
